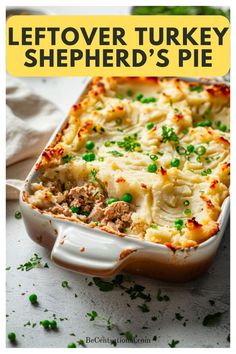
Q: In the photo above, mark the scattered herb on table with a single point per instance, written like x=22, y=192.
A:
x=8, y=268
x=144, y=307
x=93, y=315
x=27, y=324
x=154, y=318
x=173, y=343
x=212, y=319
x=18, y=215
x=178, y=316
x=137, y=291
x=34, y=262
x=81, y=343
x=103, y=285
x=128, y=335
x=161, y=297
x=65, y=284
x=113, y=342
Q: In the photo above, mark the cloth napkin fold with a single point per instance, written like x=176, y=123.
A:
x=31, y=120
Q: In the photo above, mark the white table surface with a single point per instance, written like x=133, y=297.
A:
x=191, y=299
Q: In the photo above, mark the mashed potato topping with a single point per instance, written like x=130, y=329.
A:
x=144, y=157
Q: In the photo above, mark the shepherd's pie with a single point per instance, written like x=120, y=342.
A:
x=144, y=157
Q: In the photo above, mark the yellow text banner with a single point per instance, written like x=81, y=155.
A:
x=118, y=45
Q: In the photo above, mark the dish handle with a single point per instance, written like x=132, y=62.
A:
x=92, y=251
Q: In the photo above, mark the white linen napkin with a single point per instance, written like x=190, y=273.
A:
x=31, y=120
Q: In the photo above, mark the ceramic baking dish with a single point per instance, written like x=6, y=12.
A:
x=94, y=252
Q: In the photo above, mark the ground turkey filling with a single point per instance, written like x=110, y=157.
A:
x=89, y=204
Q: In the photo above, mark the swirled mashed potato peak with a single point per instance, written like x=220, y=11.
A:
x=144, y=157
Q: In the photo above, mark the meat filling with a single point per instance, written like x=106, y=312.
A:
x=88, y=203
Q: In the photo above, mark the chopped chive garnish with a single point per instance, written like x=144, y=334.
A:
x=147, y=99
x=206, y=172
x=200, y=150
x=115, y=153
x=206, y=113
x=199, y=88
x=181, y=150
x=130, y=93
x=206, y=123
x=168, y=134
x=130, y=143
x=65, y=284
x=185, y=131
x=118, y=121
x=186, y=202
x=67, y=158
x=153, y=157
x=139, y=96
x=107, y=143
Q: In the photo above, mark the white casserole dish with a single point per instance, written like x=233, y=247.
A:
x=91, y=251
